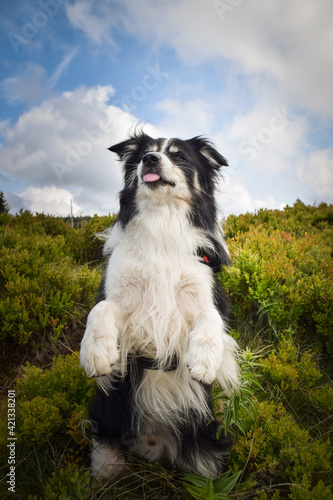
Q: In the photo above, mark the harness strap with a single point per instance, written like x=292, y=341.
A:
x=154, y=364
x=211, y=260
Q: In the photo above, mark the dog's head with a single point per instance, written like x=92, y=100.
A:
x=169, y=171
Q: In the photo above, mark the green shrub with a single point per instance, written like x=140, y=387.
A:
x=69, y=483
x=40, y=419
x=51, y=408
x=289, y=370
x=85, y=245
x=53, y=403
x=297, y=220
x=229, y=407
x=273, y=443
x=286, y=280
x=318, y=492
x=42, y=288
x=322, y=397
x=276, y=449
x=204, y=488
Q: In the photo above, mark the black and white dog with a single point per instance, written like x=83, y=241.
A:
x=157, y=338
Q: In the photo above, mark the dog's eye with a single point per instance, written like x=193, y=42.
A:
x=178, y=156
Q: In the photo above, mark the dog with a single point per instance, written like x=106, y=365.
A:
x=157, y=338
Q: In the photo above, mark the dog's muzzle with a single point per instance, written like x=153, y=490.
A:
x=152, y=171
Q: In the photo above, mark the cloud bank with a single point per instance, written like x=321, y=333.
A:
x=276, y=62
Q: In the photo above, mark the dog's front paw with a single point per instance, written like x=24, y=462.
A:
x=204, y=361
x=98, y=357
x=99, y=351
x=206, y=346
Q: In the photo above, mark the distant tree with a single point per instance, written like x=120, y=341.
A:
x=4, y=207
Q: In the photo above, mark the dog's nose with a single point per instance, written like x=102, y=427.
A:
x=150, y=159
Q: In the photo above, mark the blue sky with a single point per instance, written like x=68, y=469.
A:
x=77, y=75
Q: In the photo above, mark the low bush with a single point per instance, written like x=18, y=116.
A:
x=43, y=288
x=278, y=451
x=286, y=281
x=52, y=399
x=52, y=407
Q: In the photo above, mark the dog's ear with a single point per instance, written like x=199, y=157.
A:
x=131, y=145
x=214, y=157
x=206, y=149
x=125, y=147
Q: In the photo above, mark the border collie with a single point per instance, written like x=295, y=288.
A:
x=157, y=337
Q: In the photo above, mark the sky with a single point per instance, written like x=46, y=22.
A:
x=77, y=76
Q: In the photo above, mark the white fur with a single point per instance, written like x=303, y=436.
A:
x=155, y=443
x=99, y=350
x=106, y=461
x=167, y=397
x=159, y=306
x=177, y=195
x=206, y=346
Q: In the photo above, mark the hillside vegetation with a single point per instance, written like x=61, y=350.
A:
x=280, y=288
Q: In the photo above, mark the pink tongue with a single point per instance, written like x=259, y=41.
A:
x=151, y=177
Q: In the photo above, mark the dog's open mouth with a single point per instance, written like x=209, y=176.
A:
x=155, y=180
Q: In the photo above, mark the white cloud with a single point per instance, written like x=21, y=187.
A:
x=235, y=198
x=316, y=171
x=50, y=200
x=289, y=45
x=63, y=144
x=266, y=139
x=96, y=25
x=15, y=202
x=72, y=130
x=28, y=86
x=185, y=119
x=270, y=203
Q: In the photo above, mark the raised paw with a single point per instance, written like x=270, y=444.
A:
x=203, y=363
x=99, y=351
x=98, y=357
x=206, y=346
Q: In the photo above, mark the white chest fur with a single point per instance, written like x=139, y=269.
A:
x=159, y=302
x=156, y=280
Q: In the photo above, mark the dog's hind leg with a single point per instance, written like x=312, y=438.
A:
x=106, y=460
x=202, y=452
x=111, y=424
x=155, y=445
